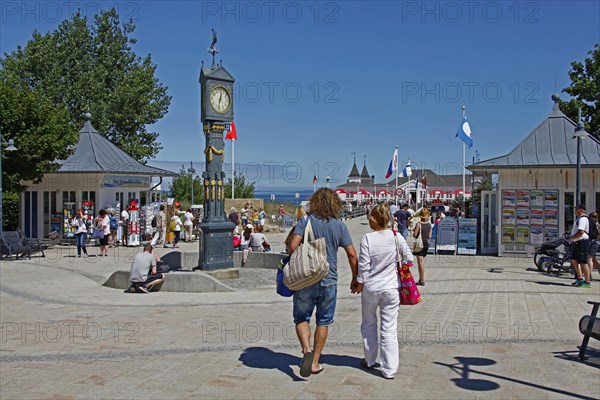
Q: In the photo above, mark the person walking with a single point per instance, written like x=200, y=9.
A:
x=423, y=228
x=245, y=242
x=175, y=226
x=80, y=233
x=594, y=234
x=378, y=283
x=102, y=221
x=125, y=226
x=244, y=214
x=281, y=217
x=403, y=218
x=160, y=232
x=262, y=215
x=581, y=249
x=188, y=224
x=114, y=227
x=325, y=206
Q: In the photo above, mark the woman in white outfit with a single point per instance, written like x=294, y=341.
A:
x=379, y=282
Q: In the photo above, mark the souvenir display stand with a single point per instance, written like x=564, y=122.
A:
x=134, y=225
x=88, y=215
x=68, y=215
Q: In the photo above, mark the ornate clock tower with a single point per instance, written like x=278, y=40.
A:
x=216, y=88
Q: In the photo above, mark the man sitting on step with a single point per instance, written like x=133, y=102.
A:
x=143, y=274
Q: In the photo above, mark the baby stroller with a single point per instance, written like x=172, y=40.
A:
x=549, y=259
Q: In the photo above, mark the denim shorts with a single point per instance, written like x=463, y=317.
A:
x=594, y=244
x=321, y=297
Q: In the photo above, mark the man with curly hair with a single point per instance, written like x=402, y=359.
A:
x=325, y=207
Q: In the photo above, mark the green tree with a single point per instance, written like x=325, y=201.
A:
x=181, y=188
x=243, y=190
x=47, y=86
x=585, y=90
x=10, y=211
x=484, y=184
x=42, y=133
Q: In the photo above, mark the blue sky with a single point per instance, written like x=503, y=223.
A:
x=317, y=81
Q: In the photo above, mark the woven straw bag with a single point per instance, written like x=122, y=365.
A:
x=308, y=263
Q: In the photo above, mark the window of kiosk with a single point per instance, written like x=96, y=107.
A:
x=143, y=198
x=88, y=196
x=52, y=219
x=46, y=216
x=569, y=216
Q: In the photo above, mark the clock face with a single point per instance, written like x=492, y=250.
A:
x=220, y=100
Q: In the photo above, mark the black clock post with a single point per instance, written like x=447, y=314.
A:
x=216, y=87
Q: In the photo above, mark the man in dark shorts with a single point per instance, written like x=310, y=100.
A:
x=403, y=217
x=143, y=274
x=581, y=247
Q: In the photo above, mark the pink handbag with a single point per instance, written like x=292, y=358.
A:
x=409, y=294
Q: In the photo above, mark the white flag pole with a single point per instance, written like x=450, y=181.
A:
x=232, y=169
x=464, y=162
x=397, y=168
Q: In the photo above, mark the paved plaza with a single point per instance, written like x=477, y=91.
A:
x=488, y=327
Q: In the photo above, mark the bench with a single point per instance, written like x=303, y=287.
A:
x=589, y=326
x=15, y=245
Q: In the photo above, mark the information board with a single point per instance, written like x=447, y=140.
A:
x=447, y=235
x=467, y=236
x=529, y=216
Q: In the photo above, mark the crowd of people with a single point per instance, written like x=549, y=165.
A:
x=249, y=228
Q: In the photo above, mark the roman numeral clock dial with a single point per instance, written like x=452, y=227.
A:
x=220, y=99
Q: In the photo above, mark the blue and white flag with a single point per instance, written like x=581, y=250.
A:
x=464, y=132
x=407, y=171
x=393, y=165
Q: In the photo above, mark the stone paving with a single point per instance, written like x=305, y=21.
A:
x=487, y=328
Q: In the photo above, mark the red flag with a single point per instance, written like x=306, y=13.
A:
x=231, y=134
x=315, y=179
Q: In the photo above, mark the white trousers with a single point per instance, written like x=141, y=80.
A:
x=159, y=236
x=388, y=302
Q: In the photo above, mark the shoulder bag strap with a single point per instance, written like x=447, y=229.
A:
x=308, y=235
x=397, y=247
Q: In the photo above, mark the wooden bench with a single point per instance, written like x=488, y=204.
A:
x=15, y=245
x=589, y=326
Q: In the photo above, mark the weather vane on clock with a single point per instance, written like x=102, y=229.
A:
x=213, y=48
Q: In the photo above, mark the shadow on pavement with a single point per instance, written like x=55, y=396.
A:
x=551, y=283
x=261, y=357
x=592, y=357
x=463, y=368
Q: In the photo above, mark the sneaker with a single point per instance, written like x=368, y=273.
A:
x=85, y=255
x=586, y=285
x=578, y=282
x=143, y=289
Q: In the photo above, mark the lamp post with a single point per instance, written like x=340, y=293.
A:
x=191, y=170
x=580, y=133
x=10, y=146
x=327, y=178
